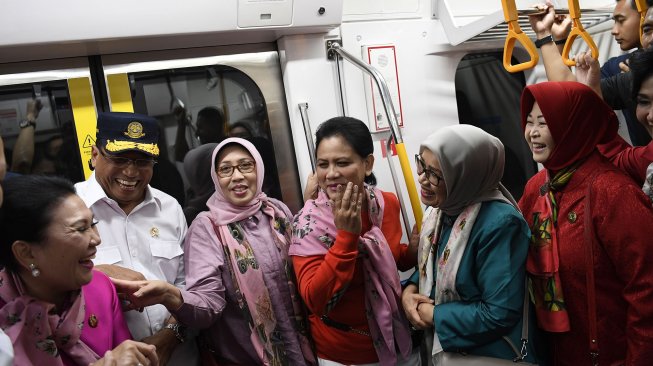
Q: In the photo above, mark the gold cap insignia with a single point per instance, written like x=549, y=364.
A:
x=134, y=130
x=118, y=146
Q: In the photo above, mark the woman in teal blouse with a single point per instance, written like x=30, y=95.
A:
x=474, y=241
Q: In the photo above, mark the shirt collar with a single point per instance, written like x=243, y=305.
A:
x=96, y=193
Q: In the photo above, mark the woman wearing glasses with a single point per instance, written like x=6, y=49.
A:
x=474, y=242
x=240, y=288
x=346, y=250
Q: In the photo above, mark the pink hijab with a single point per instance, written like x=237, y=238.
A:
x=251, y=290
x=222, y=211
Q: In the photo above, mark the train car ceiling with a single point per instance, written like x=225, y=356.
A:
x=83, y=28
x=463, y=23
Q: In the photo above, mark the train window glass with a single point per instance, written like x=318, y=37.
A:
x=46, y=144
x=196, y=106
x=488, y=97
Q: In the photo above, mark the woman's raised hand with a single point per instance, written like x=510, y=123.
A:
x=347, y=208
x=146, y=293
x=310, y=193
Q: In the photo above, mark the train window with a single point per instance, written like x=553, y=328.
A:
x=488, y=97
x=200, y=105
x=38, y=128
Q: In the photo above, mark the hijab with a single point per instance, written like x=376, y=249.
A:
x=578, y=120
x=472, y=163
x=241, y=262
x=224, y=212
x=576, y=116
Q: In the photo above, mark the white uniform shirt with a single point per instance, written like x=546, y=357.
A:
x=149, y=240
x=6, y=350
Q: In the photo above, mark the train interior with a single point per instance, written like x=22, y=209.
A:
x=266, y=67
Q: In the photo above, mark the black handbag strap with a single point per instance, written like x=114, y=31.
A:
x=589, y=274
x=520, y=354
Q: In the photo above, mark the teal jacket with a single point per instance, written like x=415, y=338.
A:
x=490, y=282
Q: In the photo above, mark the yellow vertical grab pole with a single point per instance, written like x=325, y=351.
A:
x=120, y=95
x=81, y=100
x=415, y=203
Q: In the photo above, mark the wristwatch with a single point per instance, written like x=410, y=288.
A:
x=26, y=123
x=179, y=331
x=542, y=41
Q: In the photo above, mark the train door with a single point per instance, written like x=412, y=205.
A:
x=488, y=97
x=203, y=96
x=47, y=117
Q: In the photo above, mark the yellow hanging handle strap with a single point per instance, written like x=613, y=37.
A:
x=515, y=34
x=642, y=8
x=577, y=30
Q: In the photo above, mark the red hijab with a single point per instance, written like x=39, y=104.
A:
x=576, y=116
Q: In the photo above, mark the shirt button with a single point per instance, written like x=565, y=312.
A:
x=133, y=252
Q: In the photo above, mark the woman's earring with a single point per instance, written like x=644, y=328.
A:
x=35, y=271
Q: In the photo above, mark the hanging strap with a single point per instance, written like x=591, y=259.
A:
x=589, y=274
x=520, y=354
x=524, y=326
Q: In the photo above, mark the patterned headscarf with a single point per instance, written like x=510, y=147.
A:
x=314, y=232
x=578, y=120
x=39, y=335
x=247, y=277
x=472, y=163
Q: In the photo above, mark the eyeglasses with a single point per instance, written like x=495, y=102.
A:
x=226, y=171
x=433, y=177
x=121, y=162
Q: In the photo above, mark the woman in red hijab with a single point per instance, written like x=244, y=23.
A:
x=590, y=259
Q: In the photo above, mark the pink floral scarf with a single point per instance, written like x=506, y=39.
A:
x=39, y=335
x=247, y=277
x=314, y=232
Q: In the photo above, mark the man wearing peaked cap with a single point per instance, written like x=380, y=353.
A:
x=142, y=228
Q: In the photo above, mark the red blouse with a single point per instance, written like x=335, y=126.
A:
x=320, y=277
x=634, y=160
x=623, y=265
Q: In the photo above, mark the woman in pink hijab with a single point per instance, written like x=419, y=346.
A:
x=240, y=288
